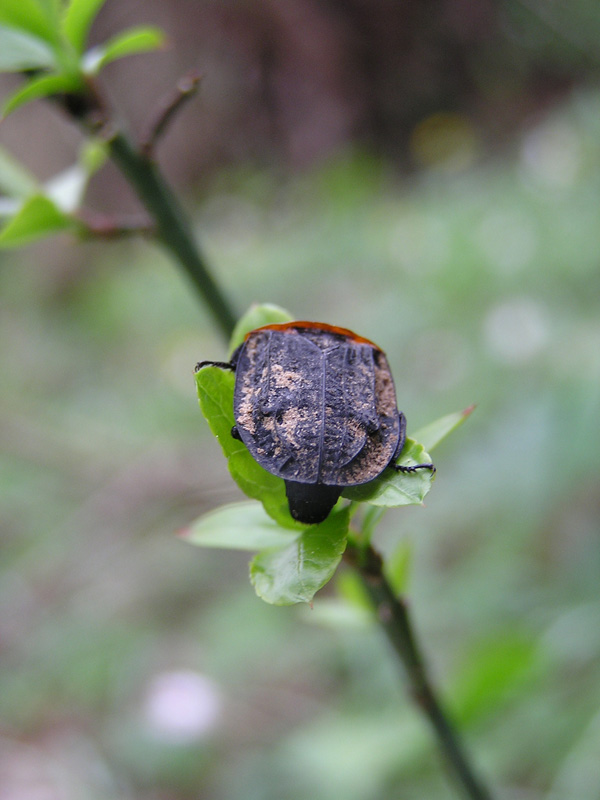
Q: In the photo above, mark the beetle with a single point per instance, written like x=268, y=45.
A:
x=316, y=405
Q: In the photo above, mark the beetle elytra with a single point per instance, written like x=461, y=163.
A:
x=316, y=405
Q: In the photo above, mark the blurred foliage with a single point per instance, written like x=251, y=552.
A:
x=135, y=667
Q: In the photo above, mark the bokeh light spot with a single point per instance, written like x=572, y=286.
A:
x=444, y=141
x=182, y=706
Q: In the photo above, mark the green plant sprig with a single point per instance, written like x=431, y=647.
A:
x=286, y=572
x=45, y=41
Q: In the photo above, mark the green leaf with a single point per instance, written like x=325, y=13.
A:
x=93, y=155
x=43, y=86
x=351, y=590
x=20, y=50
x=393, y=488
x=331, y=612
x=29, y=16
x=495, y=668
x=67, y=188
x=256, y=317
x=135, y=40
x=215, y=393
x=371, y=519
x=238, y=526
x=397, y=567
x=350, y=607
x=294, y=574
x=37, y=217
x=52, y=10
x=15, y=180
x=431, y=435
x=78, y=19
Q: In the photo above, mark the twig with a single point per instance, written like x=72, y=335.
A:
x=185, y=89
x=172, y=226
x=393, y=615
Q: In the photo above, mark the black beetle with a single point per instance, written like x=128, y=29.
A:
x=316, y=406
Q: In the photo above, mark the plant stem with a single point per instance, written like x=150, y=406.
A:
x=172, y=226
x=135, y=162
x=393, y=615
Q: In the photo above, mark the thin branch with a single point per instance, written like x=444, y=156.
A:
x=171, y=223
x=185, y=89
x=172, y=226
x=393, y=615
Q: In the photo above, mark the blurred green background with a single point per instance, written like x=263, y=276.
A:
x=427, y=174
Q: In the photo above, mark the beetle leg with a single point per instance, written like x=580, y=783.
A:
x=401, y=437
x=220, y=364
x=413, y=467
x=401, y=440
